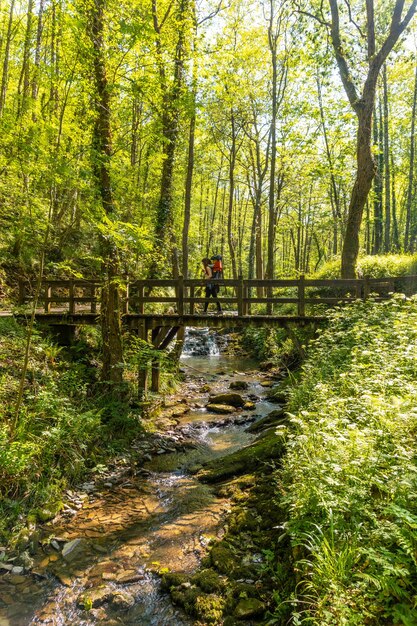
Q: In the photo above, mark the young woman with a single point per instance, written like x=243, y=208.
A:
x=210, y=287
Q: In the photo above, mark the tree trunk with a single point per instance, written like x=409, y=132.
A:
x=188, y=190
x=232, y=162
x=410, y=219
x=37, y=60
x=377, y=203
x=5, y=75
x=363, y=183
x=164, y=227
x=112, y=371
x=387, y=166
x=24, y=80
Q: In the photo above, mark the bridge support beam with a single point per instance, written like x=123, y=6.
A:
x=143, y=370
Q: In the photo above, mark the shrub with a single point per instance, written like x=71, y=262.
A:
x=350, y=473
x=378, y=266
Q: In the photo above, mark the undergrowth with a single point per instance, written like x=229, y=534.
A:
x=67, y=425
x=373, y=266
x=349, y=479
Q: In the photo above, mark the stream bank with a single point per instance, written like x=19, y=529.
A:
x=101, y=559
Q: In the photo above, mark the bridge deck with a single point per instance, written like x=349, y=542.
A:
x=134, y=321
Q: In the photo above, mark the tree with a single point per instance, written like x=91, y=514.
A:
x=102, y=153
x=363, y=104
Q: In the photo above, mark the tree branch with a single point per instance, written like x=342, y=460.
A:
x=347, y=81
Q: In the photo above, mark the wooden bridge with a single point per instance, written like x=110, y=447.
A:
x=244, y=302
x=156, y=309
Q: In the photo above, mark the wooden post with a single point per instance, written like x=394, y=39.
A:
x=244, y=296
x=22, y=292
x=155, y=363
x=71, y=309
x=240, y=296
x=192, y=293
x=180, y=295
x=358, y=293
x=143, y=370
x=93, y=298
x=48, y=296
x=269, y=304
x=141, y=295
x=366, y=288
x=301, y=296
x=125, y=307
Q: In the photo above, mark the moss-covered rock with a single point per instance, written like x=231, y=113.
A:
x=232, y=399
x=248, y=608
x=172, y=579
x=245, y=460
x=210, y=608
x=186, y=598
x=221, y=408
x=239, y=385
x=277, y=395
x=208, y=580
x=223, y=559
x=274, y=418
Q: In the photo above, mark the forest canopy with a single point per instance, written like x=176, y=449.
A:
x=161, y=131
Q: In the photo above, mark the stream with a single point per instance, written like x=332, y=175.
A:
x=141, y=521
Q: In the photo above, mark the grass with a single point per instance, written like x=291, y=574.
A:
x=349, y=478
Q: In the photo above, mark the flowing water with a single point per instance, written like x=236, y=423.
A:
x=159, y=517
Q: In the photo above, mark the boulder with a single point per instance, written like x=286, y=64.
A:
x=248, y=608
x=73, y=549
x=274, y=418
x=221, y=408
x=232, y=399
x=239, y=384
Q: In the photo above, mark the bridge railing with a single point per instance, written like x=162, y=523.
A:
x=66, y=295
x=243, y=296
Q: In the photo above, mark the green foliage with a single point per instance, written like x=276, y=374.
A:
x=378, y=266
x=350, y=474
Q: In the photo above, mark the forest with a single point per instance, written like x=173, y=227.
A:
x=268, y=476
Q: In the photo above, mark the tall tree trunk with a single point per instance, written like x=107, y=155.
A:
x=164, y=227
x=24, y=81
x=395, y=231
x=37, y=59
x=188, y=189
x=363, y=183
x=102, y=143
x=410, y=219
x=5, y=74
x=387, y=166
x=232, y=163
x=377, y=203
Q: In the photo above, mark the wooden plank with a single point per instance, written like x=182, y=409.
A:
x=169, y=337
x=271, y=283
x=159, y=299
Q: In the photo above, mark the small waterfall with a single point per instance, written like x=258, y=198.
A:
x=200, y=342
